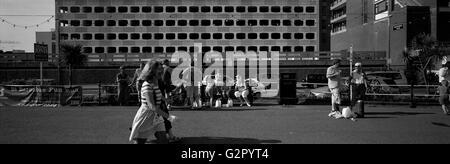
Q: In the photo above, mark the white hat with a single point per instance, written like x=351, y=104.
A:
x=358, y=64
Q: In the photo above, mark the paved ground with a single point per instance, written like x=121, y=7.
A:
x=257, y=125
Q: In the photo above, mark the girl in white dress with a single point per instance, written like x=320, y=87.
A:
x=149, y=118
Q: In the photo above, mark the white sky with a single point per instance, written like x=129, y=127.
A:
x=24, y=39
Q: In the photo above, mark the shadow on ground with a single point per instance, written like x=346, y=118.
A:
x=440, y=124
x=235, y=109
x=222, y=140
x=396, y=113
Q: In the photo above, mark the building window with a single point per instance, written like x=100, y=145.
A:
x=298, y=49
x=217, y=36
x=159, y=49
x=206, y=36
x=99, y=23
x=241, y=48
x=74, y=9
x=159, y=23
x=276, y=36
x=218, y=48
x=229, y=9
x=229, y=22
x=87, y=9
x=298, y=22
x=298, y=9
x=182, y=36
x=146, y=49
x=99, y=9
x=63, y=10
x=75, y=23
x=206, y=9
x=170, y=22
x=123, y=9
x=159, y=36
x=264, y=22
x=146, y=23
x=146, y=9
x=193, y=22
x=135, y=23
x=135, y=36
x=99, y=36
x=194, y=36
x=193, y=9
x=191, y=49
x=135, y=49
x=217, y=9
x=110, y=9
x=287, y=9
x=276, y=22
x=310, y=49
x=310, y=22
x=111, y=23
x=182, y=9
x=147, y=36
x=252, y=36
x=170, y=36
x=135, y=9
x=229, y=36
x=170, y=9
x=123, y=49
x=123, y=22
x=263, y=9
x=298, y=36
x=75, y=37
x=240, y=35
x=206, y=22
x=287, y=23
x=240, y=9
x=310, y=36
x=87, y=50
x=264, y=36
x=276, y=9
x=182, y=22
x=87, y=36
x=185, y=49
x=206, y=49
x=275, y=48
x=253, y=48
x=111, y=36
x=159, y=9
x=87, y=23
x=229, y=49
x=217, y=22
x=252, y=22
x=310, y=9
x=252, y=9
x=287, y=36
x=287, y=49
x=123, y=36
x=264, y=48
x=112, y=50
x=240, y=22
x=99, y=50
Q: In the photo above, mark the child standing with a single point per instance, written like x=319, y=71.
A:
x=444, y=96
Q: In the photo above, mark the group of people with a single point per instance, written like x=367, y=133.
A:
x=219, y=87
x=358, y=81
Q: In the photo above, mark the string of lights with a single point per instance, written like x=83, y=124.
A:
x=3, y=20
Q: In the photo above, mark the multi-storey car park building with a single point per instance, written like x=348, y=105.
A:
x=165, y=26
x=387, y=25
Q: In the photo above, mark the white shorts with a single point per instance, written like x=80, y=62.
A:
x=335, y=96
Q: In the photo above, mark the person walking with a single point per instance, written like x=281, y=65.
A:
x=334, y=84
x=149, y=120
x=122, y=91
x=137, y=81
x=167, y=80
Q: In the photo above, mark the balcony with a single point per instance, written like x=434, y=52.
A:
x=338, y=18
x=338, y=4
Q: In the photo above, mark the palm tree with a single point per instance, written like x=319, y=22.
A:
x=72, y=57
